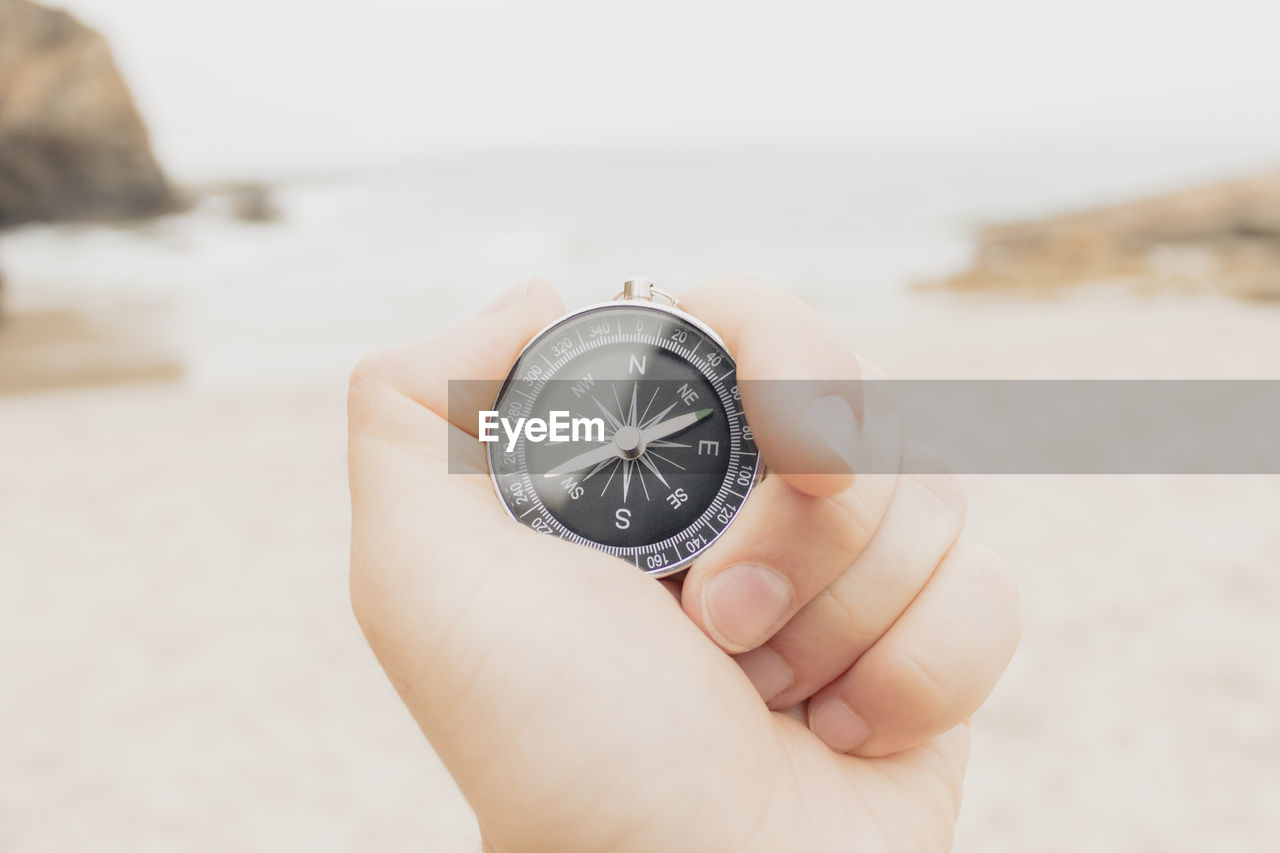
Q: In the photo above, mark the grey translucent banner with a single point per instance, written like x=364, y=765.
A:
x=970, y=426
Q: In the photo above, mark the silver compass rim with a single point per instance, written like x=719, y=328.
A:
x=681, y=565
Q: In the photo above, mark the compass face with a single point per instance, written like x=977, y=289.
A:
x=659, y=458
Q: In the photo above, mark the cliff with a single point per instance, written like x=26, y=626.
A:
x=1224, y=237
x=72, y=145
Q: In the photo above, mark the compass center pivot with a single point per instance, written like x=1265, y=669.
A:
x=628, y=441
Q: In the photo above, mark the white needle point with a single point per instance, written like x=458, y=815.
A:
x=672, y=426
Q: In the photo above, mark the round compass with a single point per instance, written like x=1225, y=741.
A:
x=621, y=427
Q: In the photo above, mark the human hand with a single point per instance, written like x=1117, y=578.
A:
x=580, y=707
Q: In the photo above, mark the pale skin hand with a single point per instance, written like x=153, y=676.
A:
x=579, y=707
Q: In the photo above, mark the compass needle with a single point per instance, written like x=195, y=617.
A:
x=584, y=460
x=670, y=427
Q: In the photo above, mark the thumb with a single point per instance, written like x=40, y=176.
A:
x=409, y=515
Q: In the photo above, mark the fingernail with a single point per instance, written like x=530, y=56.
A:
x=838, y=726
x=745, y=604
x=832, y=418
x=768, y=671
x=506, y=299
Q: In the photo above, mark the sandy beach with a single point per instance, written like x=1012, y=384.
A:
x=183, y=670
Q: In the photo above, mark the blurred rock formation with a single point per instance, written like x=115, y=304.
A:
x=72, y=145
x=243, y=201
x=1225, y=237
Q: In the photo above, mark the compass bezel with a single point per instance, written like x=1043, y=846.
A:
x=685, y=561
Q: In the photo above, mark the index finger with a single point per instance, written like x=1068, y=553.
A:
x=800, y=382
x=828, y=489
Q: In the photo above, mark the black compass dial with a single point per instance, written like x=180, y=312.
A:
x=633, y=438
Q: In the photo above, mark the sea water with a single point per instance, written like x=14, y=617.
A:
x=390, y=254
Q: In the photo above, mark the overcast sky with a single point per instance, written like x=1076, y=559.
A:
x=258, y=86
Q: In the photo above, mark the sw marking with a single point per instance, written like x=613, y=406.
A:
x=557, y=428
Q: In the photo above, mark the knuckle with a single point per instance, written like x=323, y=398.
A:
x=862, y=508
x=367, y=387
x=949, y=494
x=907, y=675
x=999, y=584
x=925, y=466
x=990, y=569
x=854, y=607
x=929, y=676
x=358, y=591
x=868, y=371
x=858, y=520
x=372, y=369
x=364, y=582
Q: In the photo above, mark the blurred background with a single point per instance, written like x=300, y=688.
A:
x=208, y=212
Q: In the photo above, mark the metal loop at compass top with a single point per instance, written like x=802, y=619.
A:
x=642, y=289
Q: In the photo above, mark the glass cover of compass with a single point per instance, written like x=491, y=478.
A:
x=675, y=458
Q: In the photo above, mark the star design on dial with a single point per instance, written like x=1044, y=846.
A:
x=631, y=445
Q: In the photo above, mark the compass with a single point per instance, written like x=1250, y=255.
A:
x=633, y=437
